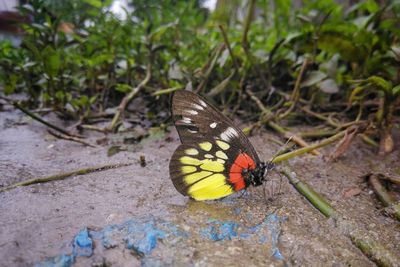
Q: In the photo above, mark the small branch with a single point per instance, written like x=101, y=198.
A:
x=37, y=118
x=393, y=210
x=91, y=128
x=128, y=98
x=167, y=91
x=371, y=248
x=369, y=141
x=228, y=45
x=392, y=179
x=210, y=66
x=288, y=134
x=296, y=91
x=383, y=195
x=310, y=194
x=70, y=138
x=247, y=23
x=317, y=133
x=62, y=176
x=380, y=191
x=266, y=114
x=304, y=150
x=320, y=117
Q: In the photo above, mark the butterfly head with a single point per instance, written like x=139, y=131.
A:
x=258, y=175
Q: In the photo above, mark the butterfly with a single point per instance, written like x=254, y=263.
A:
x=215, y=158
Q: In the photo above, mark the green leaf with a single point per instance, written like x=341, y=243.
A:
x=160, y=31
x=60, y=95
x=123, y=87
x=396, y=90
x=94, y=3
x=328, y=86
x=11, y=84
x=51, y=61
x=355, y=92
x=313, y=78
x=380, y=83
x=175, y=72
x=222, y=86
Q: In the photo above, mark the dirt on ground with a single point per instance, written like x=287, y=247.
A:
x=133, y=216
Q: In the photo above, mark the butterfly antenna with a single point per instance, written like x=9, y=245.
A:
x=243, y=192
x=265, y=192
x=281, y=149
x=280, y=182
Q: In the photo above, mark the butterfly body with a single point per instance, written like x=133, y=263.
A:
x=215, y=158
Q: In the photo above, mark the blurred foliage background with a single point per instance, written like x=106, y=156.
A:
x=276, y=63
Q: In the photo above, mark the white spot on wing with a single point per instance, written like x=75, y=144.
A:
x=213, y=125
x=203, y=103
x=191, y=131
x=186, y=120
x=193, y=112
x=228, y=134
x=197, y=106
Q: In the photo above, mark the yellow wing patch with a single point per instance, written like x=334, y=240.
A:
x=188, y=169
x=212, y=187
x=223, y=145
x=210, y=165
x=202, y=172
x=191, y=151
x=206, y=146
x=190, y=161
x=221, y=154
x=221, y=161
x=194, y=177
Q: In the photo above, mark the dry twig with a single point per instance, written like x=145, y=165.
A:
x=128, y=98
x=64, y=175
x=70, y=138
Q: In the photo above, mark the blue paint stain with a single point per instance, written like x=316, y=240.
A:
x=59, y=261
x=277, y=254
x=218, y=231
x=272, y=222
x=262, y=239
x=226, y=230
x=107, y=236
x=83, y=244
x=142, y=237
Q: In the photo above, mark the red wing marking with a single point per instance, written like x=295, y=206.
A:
x=242, y=161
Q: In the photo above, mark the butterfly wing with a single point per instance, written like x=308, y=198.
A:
x=209, y=162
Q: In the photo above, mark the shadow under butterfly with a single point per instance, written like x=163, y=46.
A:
x=215, y=158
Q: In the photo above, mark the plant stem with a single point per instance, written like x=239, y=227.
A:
x=167, y=91
x=128, y=98
x=360, y=238
x=296, y=91
x=228, y=45
x=70, y=138
x=289, y=135
x=316, y=199
x=307, y=149
x=380, y=191
x=37, y=118
x=210, y=66
x=247, y=22
x=267, y=114
x=384, y=196
x=64, y=175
